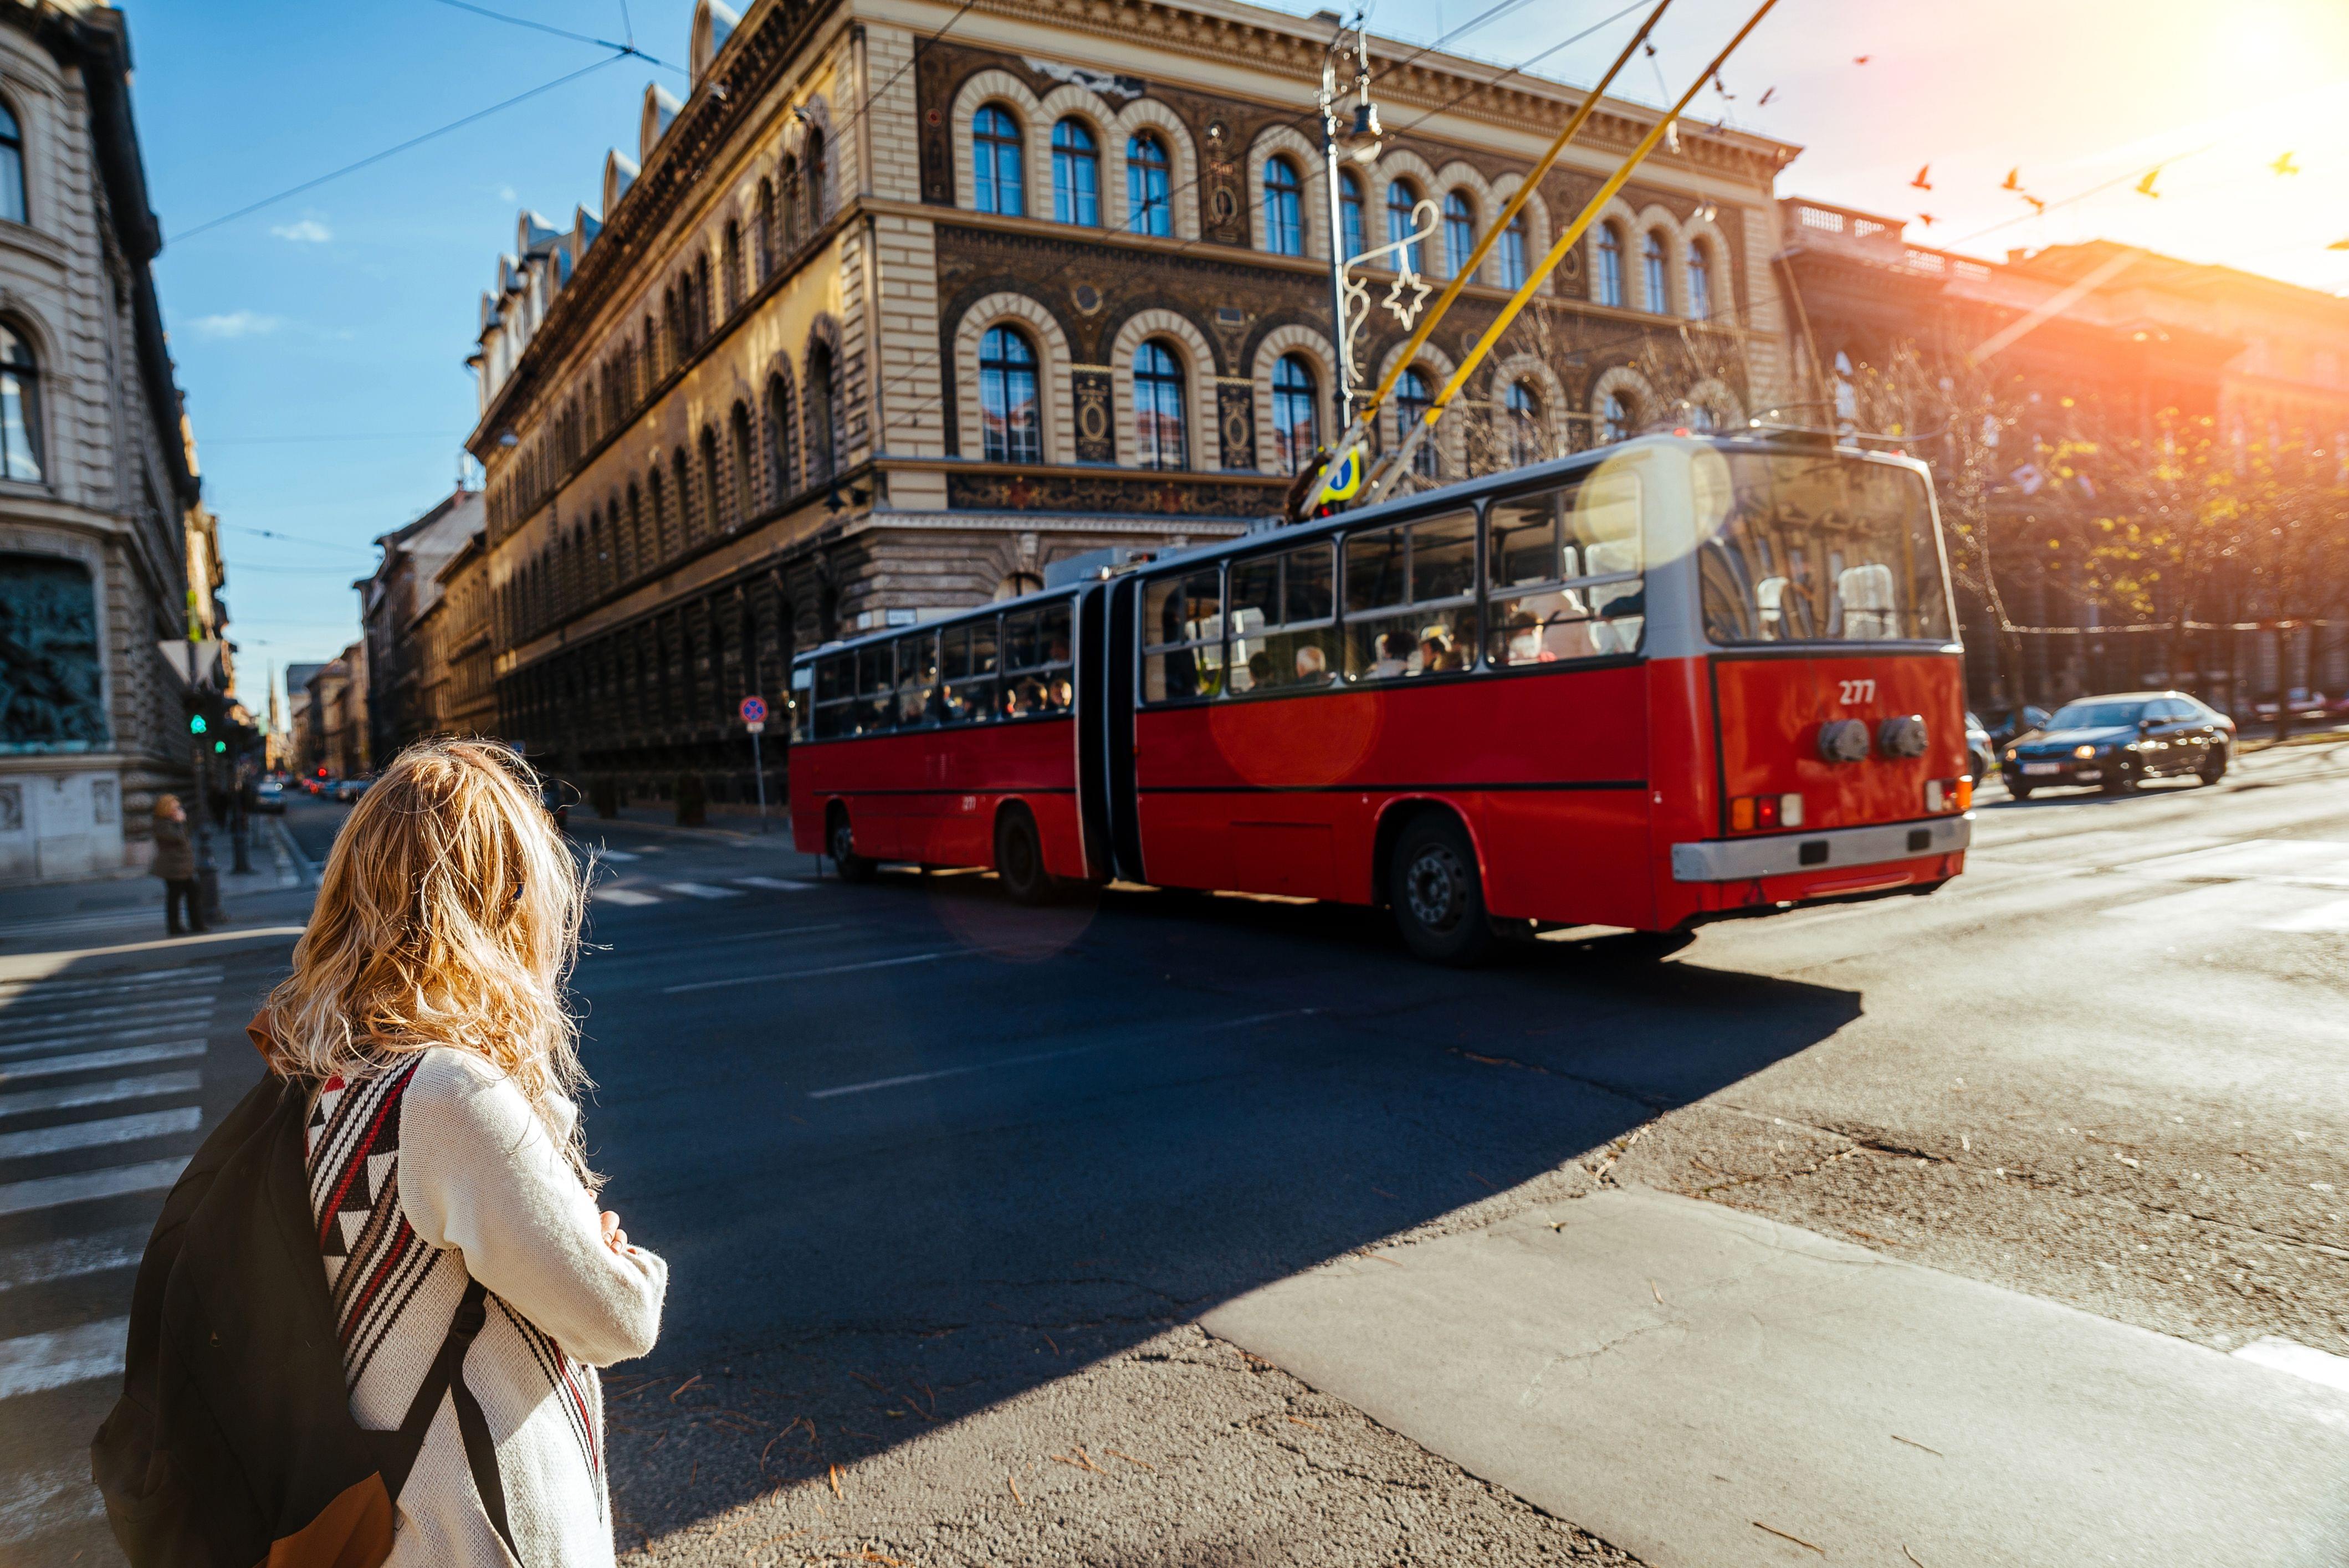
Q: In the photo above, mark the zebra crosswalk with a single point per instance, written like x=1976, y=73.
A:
x=100, y=1082
x=632, y=895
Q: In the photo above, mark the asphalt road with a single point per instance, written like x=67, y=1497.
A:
x=946, y=1185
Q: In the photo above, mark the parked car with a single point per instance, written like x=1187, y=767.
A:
x=2304, y=703
x=1981, y=756
x=2005, y=725
x=2117, y=742
x=269, y=796
x=350, y=789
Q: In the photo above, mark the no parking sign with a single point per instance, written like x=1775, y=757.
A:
x=754, y=713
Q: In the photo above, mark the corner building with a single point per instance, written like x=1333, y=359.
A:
x=904, y=305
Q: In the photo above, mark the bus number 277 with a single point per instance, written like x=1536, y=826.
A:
x=1857, y=692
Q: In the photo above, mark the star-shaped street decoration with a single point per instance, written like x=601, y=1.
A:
x=1407, y=279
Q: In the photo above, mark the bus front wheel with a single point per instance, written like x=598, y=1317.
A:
x=841, y=842
x=1438, y=897
x=1019, y=859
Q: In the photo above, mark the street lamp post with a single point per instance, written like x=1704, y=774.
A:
x=1345, y=135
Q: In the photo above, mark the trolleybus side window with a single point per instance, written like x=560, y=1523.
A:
x=876, y=690
x=1816, y=547
x=1183, y=636
x=834, y=713
x=1037, y=672
x=1565, y=568
x=917, y=678
x=1284, y=621
x=1411, y=599
x=967, y=672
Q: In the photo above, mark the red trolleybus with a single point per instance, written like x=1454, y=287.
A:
x=1674, y=681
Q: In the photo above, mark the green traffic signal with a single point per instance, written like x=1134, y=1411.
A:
x=220, y=746
x=196, y=724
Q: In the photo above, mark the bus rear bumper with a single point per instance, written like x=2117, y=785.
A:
x=1809, y=854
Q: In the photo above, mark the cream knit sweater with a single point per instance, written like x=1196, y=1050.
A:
x=427, y=1175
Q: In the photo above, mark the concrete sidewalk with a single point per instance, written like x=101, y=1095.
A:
x=51, y=918
x=1701, y=1385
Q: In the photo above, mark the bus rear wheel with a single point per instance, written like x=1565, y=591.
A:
x=1019, y=859
x=840, y=841
x=1438, y=897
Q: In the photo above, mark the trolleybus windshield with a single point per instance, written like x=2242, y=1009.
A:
x=1813, y=547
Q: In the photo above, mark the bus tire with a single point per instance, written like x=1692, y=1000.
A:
x=1437, y=895
x=840, y=843
x=1020, y=858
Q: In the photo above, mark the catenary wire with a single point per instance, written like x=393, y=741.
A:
x=622, y=48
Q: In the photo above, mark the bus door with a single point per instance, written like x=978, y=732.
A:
x=1116, y=700
x=1092, y=679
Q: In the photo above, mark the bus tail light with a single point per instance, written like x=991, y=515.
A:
x=1760, y=813
x=1948, y=795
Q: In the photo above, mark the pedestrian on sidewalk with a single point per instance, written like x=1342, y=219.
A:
x=175, y=862
x=428, y=1004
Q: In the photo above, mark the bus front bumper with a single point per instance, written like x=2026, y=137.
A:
x=1798, y=854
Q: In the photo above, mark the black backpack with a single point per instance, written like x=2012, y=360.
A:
x=232, y=1444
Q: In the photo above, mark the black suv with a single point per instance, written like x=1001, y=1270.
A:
x=2117, y=742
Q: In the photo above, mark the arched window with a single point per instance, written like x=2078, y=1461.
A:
x=1514, y=264
x=763, y=229
x=779, y=414
x=811, y=180
x=1158, y=417
x=599, y=556
x=1606, y=287
x=1699, y=284
x=712, y=514
x=1525, y=419
x=1459, y=234
x=1401, y=200
x=738, y=453
x=1296, y=414
x=662, y=542
x=1652, y=274
x=1006, y=399
x=702, y=321
x=1703, y=418
x=733, y=263
x=688, y=519
x=995, y=162
x=1350, y=214
x=823, y=416
x=20, y=408
x=1616, y=418
x=1076, y=175
x=1413, y=398
x=1847, y=397
x=1149, y=186
x=11, y=167
x=793, y=217
x=1284, y=209
x=632, y=553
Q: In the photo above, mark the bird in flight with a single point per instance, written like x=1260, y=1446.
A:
x=1767, y=94
x=2284, y=165
x=1921, y=182
x=1926, y=218
x=2036, y=204
x=1861, y=59
x=2013, y=180
x=2145, y=186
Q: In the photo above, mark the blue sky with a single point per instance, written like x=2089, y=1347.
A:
x=322, y=340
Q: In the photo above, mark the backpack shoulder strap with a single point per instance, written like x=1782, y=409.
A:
x=398, y=1449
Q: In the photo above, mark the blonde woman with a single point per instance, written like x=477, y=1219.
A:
x=444, y=1153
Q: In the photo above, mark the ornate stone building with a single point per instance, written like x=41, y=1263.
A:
x=397, y=606
x=104, y=549
x=901, y=306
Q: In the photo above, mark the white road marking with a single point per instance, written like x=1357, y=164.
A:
x=2324, y=917
x=31, y=1504
x=92, y=1061
x=701, y=890
x=143, y=1005
x=626, y=898
x=2240, y=906
x=778, y=931
x=69, y=1257
x=102, y=1093
x=947, y=1072
x=76, y=1039
x=2301, y=863
x=52, y=1191
x=773, y=884
x=810, y=973
x=2299, y=1360
x=195, y=975
x=99, y=1133
x=63, y=1355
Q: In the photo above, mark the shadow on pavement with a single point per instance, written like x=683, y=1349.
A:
x=1144, y=1105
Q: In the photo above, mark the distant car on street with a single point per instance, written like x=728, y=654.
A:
x=2117, y=742
x=350, y=789
x=2303, y=703
x=1981, y=756
x=269, y=796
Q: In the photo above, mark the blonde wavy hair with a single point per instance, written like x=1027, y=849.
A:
x=448, y=914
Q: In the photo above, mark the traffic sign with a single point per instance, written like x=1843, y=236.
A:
x=757, y=727
x=754, y=710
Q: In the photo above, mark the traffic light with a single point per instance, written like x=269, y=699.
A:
x=219, y=746
x=196, y=725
